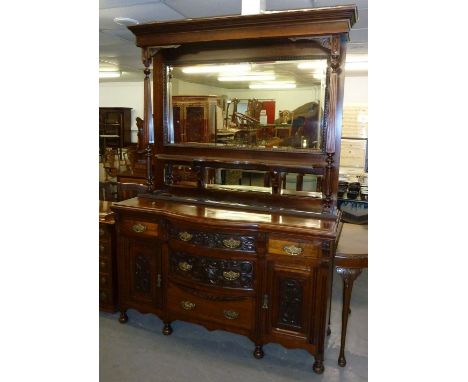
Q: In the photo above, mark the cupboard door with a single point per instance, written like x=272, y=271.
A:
x=195, y=124
x=289, y=300
x=140, y=268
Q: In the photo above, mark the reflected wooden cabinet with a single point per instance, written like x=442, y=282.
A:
x=194, y=118
x=114, y=127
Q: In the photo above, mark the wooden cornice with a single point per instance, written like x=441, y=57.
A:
x=286, y=24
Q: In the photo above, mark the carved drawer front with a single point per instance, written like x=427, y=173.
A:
x=188, y=303
x=288, y=247
x=224, y=273
x=221, y=240
x=139, y=228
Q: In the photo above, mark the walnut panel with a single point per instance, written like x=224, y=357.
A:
x=192, y=304
x=281, y=246
x=139, y=228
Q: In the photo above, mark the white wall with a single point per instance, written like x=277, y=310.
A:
x=355, y=90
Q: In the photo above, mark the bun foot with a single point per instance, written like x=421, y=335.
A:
x=123, y=317
x=328, y=331
x=258, y=352
x=342, y=361
x=318, y=367
x=167, y=329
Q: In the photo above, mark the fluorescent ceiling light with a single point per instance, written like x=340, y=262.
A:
x=216, y=68
x=274, y=85
x=109, y=74
x=248, y=77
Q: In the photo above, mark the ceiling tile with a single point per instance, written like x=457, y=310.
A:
x=105, y=4
x=205, y=8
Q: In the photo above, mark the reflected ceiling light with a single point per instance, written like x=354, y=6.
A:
x=248, y=77
x=109, y=74
x=318, y=64
x=274, y=85
x=216, y=68
x=125, y=21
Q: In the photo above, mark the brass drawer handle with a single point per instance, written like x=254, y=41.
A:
x=187, y=305
x=185, y=236
x=139, y=228
x=184, y=266
x=231, y=275
x=231, y=314
x=231, y=243
x=292, y=250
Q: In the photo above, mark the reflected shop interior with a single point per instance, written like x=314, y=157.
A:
x=266, y=106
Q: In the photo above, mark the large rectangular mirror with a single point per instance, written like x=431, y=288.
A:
x=274, y=105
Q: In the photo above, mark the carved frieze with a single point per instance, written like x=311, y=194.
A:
x=142, y=280
x=243, y=243
x=290, y=309
x=224, y=273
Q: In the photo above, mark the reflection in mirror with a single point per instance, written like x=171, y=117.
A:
x=241, y=180
x=263, y=105
x=301, y=182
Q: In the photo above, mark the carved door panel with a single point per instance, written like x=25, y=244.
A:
x=289, y=301
x=195, y=124
x=141, y=272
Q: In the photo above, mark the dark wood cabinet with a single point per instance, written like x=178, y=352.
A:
x=114, y=127
x=194, y=118
x=255, y=260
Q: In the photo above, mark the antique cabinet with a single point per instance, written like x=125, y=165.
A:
x=114, y=127
x=194, y=118
x=255, y=259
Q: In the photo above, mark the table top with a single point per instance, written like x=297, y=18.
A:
x=352, y=250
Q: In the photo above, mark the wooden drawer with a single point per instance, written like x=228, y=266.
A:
x=235, y=241
x=293, y=247
x=139, y=228
x=220, y=272
x=198, y=306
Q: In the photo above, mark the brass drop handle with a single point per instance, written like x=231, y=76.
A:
x=292, y=250
x=231, y=275
x=184, y=266
x=139, y=228
x=185, y=236
x=231, y=314
x=231, y=243
x=187, y=305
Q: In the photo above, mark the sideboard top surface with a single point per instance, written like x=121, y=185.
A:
x=218, y=216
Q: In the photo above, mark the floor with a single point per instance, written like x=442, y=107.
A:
x=139, y=352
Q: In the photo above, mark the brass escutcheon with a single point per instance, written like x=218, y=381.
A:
x=185, y=236
x=187, y=305
x=231, y=243
x=184, y=266
x=292, y=250
x=139, y=228
x=231, y=275
x=231, y=314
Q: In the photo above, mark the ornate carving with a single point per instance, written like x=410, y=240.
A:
x=142, y=280
x=290, y=309
x=219, y=272
x=323, y=41
x=348, y=274
x=216, y=240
